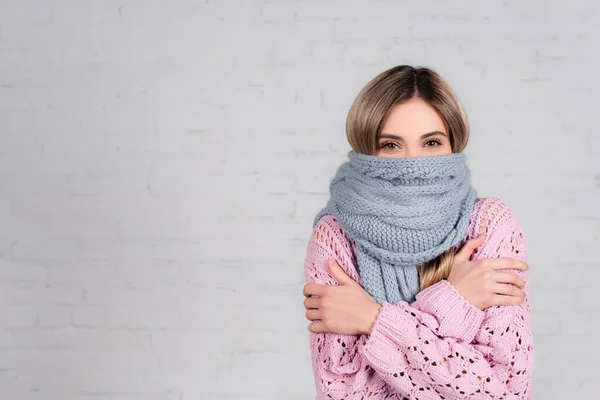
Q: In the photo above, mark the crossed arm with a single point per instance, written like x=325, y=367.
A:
x=438, y=347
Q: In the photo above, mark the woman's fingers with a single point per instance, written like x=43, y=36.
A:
x=317, y=327
x=506, y=263
x=313, y=315
x=313, y=289
x=465, y=253
x=311, y=303
x=509, y=277
x=507, y=289
x=338, y=273
x=502, y=300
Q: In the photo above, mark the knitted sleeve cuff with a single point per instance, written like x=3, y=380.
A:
x=394, y=325
x=387, y=336
x=457, y=317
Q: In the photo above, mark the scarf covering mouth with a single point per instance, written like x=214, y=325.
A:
x=401, y=212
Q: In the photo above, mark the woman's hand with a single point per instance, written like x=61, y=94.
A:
x=346, y=309
x=480, y=282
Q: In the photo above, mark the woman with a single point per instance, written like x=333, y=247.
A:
x=416, y=287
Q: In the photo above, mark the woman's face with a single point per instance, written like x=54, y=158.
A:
x=413, y=129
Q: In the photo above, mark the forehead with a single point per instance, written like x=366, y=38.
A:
x=413, y=117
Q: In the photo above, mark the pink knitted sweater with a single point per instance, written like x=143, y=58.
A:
x=438, y=347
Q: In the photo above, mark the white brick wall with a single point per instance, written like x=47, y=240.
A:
x=161, y=163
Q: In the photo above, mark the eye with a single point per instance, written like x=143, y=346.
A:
x=389, y=145
x=433, y=142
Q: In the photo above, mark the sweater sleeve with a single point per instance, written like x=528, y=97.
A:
x=436, y=349
x=340, y=371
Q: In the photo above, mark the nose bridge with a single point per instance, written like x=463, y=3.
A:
x=410, y=150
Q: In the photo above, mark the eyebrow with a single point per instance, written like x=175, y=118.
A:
x=424, y=136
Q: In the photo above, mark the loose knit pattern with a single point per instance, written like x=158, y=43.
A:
x=400, y=213
x=438, y=347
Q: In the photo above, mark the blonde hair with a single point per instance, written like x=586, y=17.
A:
x=370, y=109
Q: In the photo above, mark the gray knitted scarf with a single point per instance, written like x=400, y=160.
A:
x=401, y=212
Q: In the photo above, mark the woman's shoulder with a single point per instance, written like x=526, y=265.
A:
x=491, y=213
x=331, y=241
x=329, y=232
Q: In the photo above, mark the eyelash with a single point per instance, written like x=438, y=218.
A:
x=385, y=145
x=438, y=143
